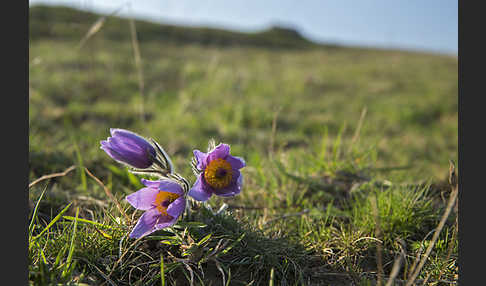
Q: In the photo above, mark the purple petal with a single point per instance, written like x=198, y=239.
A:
x=176, y=208
x=122, y=156
x=150, y=184
x=165, y=221
x=143, y=152
x=239, y=184
x=132, y=141
x=146, y=224
x=234, y=188
x=236, y=162
x=221, y=151
x=125, y=146
x=106, y=146
x=164, y=185
x=199, y=191
x=143, y=199
x=201, y=159
x=129, y=137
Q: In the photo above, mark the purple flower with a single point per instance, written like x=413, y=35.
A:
x=129, y=148
x=163, y=202
x=219, y=175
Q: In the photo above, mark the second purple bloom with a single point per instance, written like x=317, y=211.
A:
x=219, y=175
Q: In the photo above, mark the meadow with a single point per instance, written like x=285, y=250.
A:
x=347, y=152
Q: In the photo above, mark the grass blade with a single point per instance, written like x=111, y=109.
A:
x=96, y=26
x=336, y=148
x=79, y=158
x=270, y=283
x=53, y=221
x=138, y=65
x=233, y=244
x=71, y=247
x=204, y=239
x=323, y=151
x=34, y=214
x=229, y=277
x=87, y=221
x=379, y=247
x=162, y=274
x=441, y=224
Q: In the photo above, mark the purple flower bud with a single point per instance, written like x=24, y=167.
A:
x=127, y=147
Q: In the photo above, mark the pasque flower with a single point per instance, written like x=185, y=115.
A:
x=163, y=202
x=218, y=173
x=129, y=148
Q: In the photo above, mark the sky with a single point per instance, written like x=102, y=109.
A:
x=424, y=25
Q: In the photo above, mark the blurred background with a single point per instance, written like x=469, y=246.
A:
x=411, y=25
x=376, y=79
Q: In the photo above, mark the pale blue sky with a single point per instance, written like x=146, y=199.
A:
x=430, y=25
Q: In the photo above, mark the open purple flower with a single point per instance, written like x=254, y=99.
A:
x=163, y=202
x=219, y=173
x=129, y=148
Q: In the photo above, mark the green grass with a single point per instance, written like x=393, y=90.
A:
x=325, y=131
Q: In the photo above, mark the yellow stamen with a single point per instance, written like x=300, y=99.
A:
x=166, y=197
x=218, y=173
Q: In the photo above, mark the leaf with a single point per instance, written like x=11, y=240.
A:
x=204, y=239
